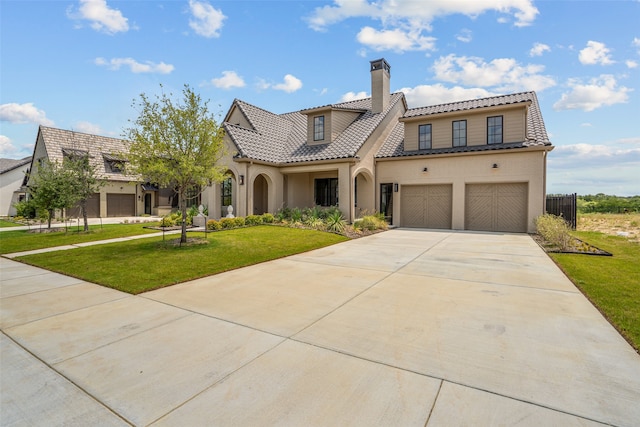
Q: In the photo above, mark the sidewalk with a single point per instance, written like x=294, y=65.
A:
x=80, y=222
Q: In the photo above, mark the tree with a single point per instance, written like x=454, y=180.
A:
x=176, y=144
x=85, y=182
x=52, y=188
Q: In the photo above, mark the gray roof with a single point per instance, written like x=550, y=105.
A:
x=282, y=138
x=536, y=131
x=99, y=148
x=7, y=165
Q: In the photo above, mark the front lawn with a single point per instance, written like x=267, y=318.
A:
x=24, y=240
x=612, y=284
x=4, y=223
x=146, y=264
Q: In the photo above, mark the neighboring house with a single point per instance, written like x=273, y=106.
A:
x=123, y=195
x=12, y=180
x=476, y=165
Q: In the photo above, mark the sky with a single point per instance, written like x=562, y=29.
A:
x=79, y=65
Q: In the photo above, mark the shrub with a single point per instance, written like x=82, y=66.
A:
x=214, y=225
x=227, y=223
x=167, y=221
x=253, y=220
x=336, y=223
x=555, y=230
x=316, y=223
x=239, y=221
x=296, y=215
x=371, y=222
x=26, y=209
x=267, y=218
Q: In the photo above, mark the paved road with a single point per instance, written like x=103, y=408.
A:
x=406, y=327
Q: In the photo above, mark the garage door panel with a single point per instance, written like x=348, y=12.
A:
x=426, y=206
x=93, y=208
x=496, y=207
x=121, y=205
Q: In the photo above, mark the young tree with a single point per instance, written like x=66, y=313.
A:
x=176, y=144
x=85, y=182
x=52, y=188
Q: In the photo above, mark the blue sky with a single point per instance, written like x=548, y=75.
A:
x=79, y=65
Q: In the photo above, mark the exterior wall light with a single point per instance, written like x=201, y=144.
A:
x=241, y=179
x=425, y=169
x=495, y=166
x=395, y=187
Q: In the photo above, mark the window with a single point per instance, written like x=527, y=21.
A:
x=193, y=196
x=318, y=128
x=459, y=133
x=494, y=130
x=424, y=137
x=226, y=186
x=386, y=201
x=326, y=192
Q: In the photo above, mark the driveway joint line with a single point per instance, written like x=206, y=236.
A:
x=435, y=401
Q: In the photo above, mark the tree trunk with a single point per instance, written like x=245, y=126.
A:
x=51, y=212
x=83, y=208
x=182, y=194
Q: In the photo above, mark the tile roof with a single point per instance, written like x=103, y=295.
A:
x=7, y=165
x=282, y=138
x=536, y=131
x=100, y=149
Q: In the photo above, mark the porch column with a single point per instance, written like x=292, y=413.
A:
x=345, y=190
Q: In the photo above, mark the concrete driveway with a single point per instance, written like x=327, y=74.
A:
x=406, y=327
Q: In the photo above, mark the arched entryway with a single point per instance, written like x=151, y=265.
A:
x=227, y=193
x=260, y=195
x=363, y=194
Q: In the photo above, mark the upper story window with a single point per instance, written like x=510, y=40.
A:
x=318, y=128
x=424, y=137
x=494, y=130
x=459, y=133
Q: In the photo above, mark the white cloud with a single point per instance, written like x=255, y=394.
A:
x=631, y=64
x=23, y=113
x=397, y=40
x=101, y=16
x=595, y=53
x=504, y=74
x=135, y=66
x=599, y=92
x=6, y=147
x=207, y=21
x=229, y=80
x=538, y=49
x=636, y=43
x=423, y=95
x=417, y=15
x=465, y=36
x=90, y=128
x=615, y=153
x=353, y=96
x=290, y=84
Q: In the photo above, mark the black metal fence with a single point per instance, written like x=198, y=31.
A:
x=564, y=205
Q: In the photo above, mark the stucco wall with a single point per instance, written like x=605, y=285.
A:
x=11, y=183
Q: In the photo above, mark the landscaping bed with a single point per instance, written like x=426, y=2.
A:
x=574, y=246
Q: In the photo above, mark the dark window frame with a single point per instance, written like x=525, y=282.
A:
x=459, y=133
x=325, y=191
x=226, y=191
x=318, y=128
x=495, y=132
x=424, y=143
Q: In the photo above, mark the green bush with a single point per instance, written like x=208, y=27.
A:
x=253, y=220
x=214, y=225
x=555, y=230
x=335, y=222
x=167, y=221
x=268, y=218
x=26, y=209
x=227, y=223
x=239, y=221
x=371, y=222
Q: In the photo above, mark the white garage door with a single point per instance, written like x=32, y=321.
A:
x=496, y=207
x=426, y=206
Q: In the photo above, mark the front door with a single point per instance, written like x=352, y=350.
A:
x=386, y=201
x=147, y=203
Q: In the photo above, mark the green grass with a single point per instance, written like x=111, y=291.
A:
x=612, y=284
x=4, y=223
x=146, y=264
x=23, y=240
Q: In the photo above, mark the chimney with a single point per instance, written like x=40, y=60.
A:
x=380, y=92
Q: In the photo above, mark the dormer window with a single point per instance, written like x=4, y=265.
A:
x=113, y=164
x=318, y=128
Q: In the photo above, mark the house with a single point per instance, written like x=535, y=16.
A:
x=12, y=177
x=475, y=165
x=122, y=195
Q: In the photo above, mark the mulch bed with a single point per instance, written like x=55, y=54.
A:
x=577, y=246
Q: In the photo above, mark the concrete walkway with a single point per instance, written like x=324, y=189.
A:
x=406, y=327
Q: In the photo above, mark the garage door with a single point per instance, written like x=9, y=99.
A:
x=426, y=206
x=496, y=207
x=121, y=205
x=93, y=208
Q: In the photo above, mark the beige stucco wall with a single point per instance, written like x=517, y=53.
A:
x=9, y=189
x=526, y=165
x=513, y=125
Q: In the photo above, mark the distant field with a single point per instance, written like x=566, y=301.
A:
x=612, y=224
